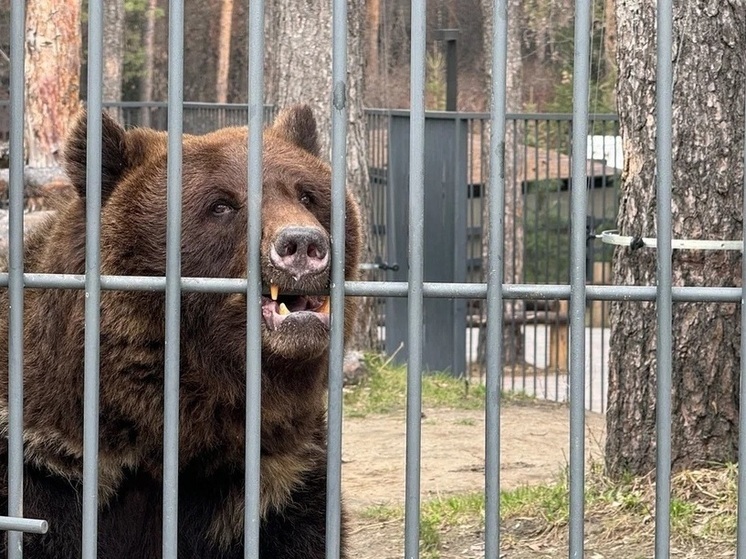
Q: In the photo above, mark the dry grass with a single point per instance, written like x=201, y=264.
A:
x=620, y=517
x=703, y=511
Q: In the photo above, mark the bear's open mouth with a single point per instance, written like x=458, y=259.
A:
x=277, y=308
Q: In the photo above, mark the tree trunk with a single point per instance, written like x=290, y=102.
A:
x=708, y=112
x=224, y=50
x=148, y=70
x=52, y=77
x=113, y=53
x=299, y=70
x=513, y=215
x=373, y=9
x=610, y=39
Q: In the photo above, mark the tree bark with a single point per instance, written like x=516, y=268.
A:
x=373, y=10
x=299, y=70
x=52, y=61
x=708, y=141
x=224, y=50
x=113, y=53
x=148, y=76
x=513, y=214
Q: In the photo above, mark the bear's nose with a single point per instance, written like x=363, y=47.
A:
x=300, y=251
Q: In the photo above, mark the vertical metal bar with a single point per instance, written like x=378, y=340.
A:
x=494, y=276
x=336, y=349
x=415, y=279
x=252, y=518
x=459, y=361
x=741, y=526
x=519, y=129
x=92, y=280
x=664, y=349
x=578, y=197
x=15, y=276
x=173, y=280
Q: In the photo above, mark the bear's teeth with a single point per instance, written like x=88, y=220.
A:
x=274, y=291
x=324, y=308
x=283, y=309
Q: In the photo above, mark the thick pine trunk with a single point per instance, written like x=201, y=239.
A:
x=299, y=70
x=709, y=73
x=52, y=77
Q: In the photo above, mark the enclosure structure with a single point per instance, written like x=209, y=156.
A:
x=414, y=287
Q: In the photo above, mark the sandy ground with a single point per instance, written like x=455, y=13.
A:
x=534, y=449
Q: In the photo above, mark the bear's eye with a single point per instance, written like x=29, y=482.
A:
x=305, y=199
x=221, y=207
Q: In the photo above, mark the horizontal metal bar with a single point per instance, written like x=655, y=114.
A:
x=393, y=288
x=164, y=105
x=486, y=116
x=544, y=291
x=464, y=115
x=29, y=525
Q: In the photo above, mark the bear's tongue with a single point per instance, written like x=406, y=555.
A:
x=276, y=309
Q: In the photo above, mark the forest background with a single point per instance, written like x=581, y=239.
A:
x=216, y=52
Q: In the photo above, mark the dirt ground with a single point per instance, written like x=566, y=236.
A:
x=534, y=449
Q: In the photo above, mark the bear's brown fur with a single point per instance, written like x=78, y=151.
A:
x=296, y=198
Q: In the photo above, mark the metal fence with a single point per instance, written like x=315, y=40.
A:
x=539, y=183
x=571, y=284
x=537, y=248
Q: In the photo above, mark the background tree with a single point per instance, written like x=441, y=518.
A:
x=52, y=77
x=708, y=103
x=372, y=27
x=113, y=52
x=224, y=50
x=298, y=70
x=513, y=215
x=148, y=74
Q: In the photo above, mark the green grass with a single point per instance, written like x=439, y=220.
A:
x=703, y=509
x=384, y=391
x=437, y=516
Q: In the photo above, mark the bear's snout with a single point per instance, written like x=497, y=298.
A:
x=300, y=251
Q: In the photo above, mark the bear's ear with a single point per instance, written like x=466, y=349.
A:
x=114, y=161
x=298, y=125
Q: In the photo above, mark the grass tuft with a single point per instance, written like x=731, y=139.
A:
x=703, y=511
x=384, y=390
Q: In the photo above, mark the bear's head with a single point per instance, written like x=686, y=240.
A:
x=295, y=246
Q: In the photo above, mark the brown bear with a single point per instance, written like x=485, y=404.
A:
x=295, y=269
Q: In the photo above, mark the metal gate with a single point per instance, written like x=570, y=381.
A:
x=413, y=287
x=444, y=320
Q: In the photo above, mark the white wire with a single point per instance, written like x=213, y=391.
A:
x=614, y=238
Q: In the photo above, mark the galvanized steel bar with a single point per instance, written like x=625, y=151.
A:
x=578, y=196
x=395, y=289
x=92, y=280
x=15, y=276
x=29, y=525
x=741, y=518
x=415, y=279
x=494, y=276
x=336, y=347
x=173, y=283
x=664, y=347
x=252, y=461
x=445, y=290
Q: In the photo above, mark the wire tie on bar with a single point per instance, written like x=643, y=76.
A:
x=612, y=237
